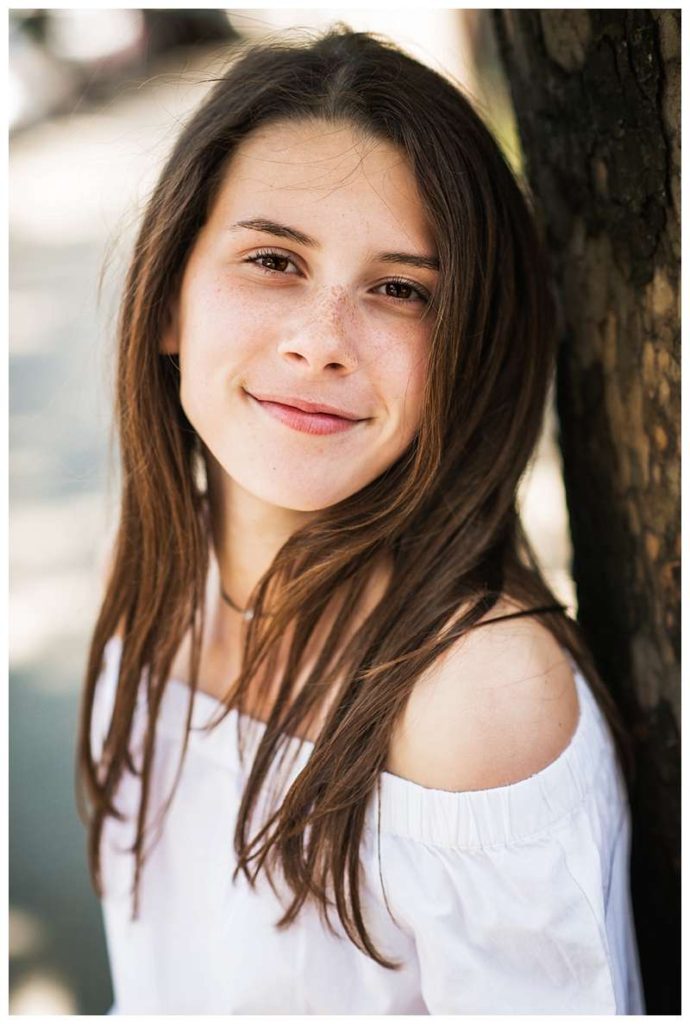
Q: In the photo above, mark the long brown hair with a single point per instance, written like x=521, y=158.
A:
x=444, y=514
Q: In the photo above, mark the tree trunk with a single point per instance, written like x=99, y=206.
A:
x=597, y=101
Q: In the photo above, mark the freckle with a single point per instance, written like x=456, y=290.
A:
x=335, y=303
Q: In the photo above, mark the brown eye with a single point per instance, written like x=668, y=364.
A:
x=404, y=291
x=274, y=262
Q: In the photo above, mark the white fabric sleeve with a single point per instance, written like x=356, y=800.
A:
x=516, y=929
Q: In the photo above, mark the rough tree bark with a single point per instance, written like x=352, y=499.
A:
x=597, y=100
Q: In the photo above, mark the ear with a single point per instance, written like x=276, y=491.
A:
x=169, y=343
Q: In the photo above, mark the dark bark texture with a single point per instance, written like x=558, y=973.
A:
x=597, y=101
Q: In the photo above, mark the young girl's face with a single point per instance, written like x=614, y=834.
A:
x=310, y=281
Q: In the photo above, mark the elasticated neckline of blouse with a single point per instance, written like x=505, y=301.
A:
x=476, y=819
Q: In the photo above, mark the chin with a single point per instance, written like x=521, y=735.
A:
x=302, y=499
x=291, y=483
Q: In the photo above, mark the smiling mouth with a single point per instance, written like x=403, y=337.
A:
x=319, y=423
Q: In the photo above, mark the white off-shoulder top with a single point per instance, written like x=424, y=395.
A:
x=507, y=900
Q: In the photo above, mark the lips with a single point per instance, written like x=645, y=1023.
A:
x=306, y=422
x=293, y=402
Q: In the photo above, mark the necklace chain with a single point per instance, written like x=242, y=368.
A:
x=247, y=612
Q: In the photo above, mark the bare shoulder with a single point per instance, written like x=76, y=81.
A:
x=500, y=705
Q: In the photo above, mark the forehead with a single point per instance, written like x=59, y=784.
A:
x=328, y=175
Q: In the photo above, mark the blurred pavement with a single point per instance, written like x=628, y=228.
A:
x=77, y=185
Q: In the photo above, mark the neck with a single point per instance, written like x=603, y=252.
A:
x=247, y=533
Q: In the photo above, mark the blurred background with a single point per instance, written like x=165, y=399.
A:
x=95, y=101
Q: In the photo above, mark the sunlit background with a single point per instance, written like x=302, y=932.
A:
x=95, y=101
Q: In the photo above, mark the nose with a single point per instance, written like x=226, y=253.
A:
x=321, y=336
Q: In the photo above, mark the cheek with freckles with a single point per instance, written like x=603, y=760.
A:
x=222, y=334
x=401, y=371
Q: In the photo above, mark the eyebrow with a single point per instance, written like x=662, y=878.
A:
x=270, y=227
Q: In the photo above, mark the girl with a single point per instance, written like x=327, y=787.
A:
x=343, y=750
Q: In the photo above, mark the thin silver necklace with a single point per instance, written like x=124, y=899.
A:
x=247, y=613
